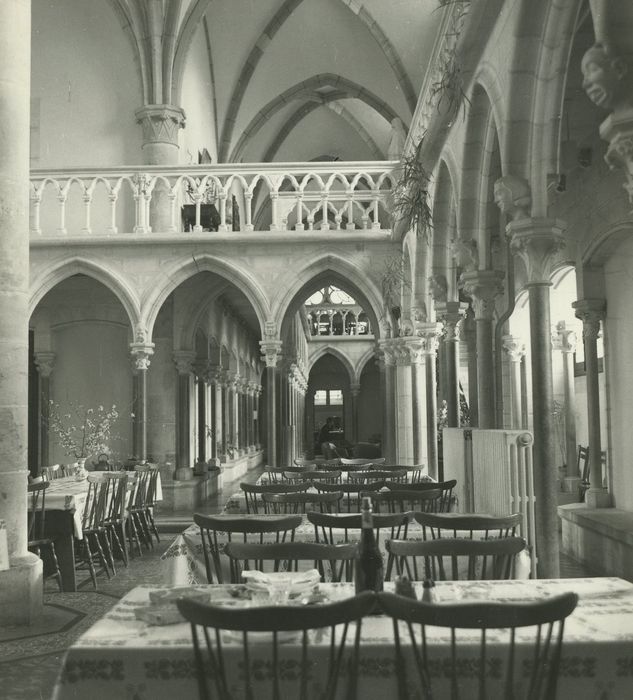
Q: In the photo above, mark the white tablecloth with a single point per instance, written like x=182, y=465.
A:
x=122, y=657
x=183, y=562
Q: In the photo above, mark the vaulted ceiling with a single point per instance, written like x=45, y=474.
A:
x=286, y=79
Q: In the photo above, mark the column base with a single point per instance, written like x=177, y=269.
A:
x=571, y=484
x=21, y=591
x=598, y=498
x=183, y=474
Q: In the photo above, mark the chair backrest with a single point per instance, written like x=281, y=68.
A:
x=415, y=473
x=152, y=483
x=280, y=503
x=440, y=559
x=276, y=475
x=94, y=513
x=335, y=562
x=141, y=488
x=216, y=530
x=467, y=623
x=437, y=525
x=52, y=472
x=329, y=466
x=350, y=502
x=403, y=500
x=116, y=495
x=252, y=493
x=445, y=486
x=37, y=510
x=340, y=657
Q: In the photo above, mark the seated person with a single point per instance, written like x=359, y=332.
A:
x=326, y=428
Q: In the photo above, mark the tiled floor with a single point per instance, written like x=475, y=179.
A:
x=30, y=658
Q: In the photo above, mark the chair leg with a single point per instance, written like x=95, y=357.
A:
x=58, y=573
x=133, y=534
x=107, y=547
x=144, y=528
x=102, y=558
x=114, y=535
x=152, y=524
x=89, y=560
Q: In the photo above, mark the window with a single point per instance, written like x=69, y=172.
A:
x=336, y=397
x=320, y=398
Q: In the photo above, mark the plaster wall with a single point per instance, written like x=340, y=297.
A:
x=619, y=340
x=83, y=112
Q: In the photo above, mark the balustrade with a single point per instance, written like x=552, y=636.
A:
x=300, y=197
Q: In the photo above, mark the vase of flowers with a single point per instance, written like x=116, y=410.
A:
x=82, y=432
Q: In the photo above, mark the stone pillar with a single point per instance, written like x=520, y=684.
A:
x=44, y=360
x=183, y=359
x=451, y=313
x=389, y=401
x=536, y=242
x=591, y=312
x=431, y=336
x=403, y=405
x=355, y=394
x=415, y=348
x=468, y=334
x=21, y=584
x=515, y=348
x=202, y=417
x=141, y=352
x=218, y=428
x=483, y=286
x=564, y=340
x=160, y=125
x=271, y=349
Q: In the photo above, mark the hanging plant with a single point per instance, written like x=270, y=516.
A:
x=411, y=194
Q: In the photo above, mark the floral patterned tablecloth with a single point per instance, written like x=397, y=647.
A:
x=122, y=657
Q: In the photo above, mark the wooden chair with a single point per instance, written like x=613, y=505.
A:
x=543, y=660
x=95, y=542
x=404, y=500
x=365, y=477
x=37, y=541
x=139, y=507
x=356, y=462
x=253, y=492
x=350, y=502
x=116, y=513
x=243, y=528
x=286, y=503
x=150, y=501
x=305, y=463
x=340, y=658
x=483, y=527
x=277, y=475
x=331, y=466
x=439, y=559
x=52, y=472
x=334, y=528
x=287, y=555
x=445, y=486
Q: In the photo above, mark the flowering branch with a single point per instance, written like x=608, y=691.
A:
x=83, y=431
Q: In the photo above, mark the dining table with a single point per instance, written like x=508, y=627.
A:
x=123, y=655
x=183, y=561
x=65, y=503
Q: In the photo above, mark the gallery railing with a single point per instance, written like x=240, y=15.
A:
x=233, y=197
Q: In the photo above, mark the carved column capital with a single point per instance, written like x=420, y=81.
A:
x=160, y=123
x=271, y=351
x=590, y=312
x=430, y=334
x=184, y=359
x=515, y=347
x=564, y=339
x=141, y=354
x=451, y=314
x=537, y=243
x=483, y=286
x=389, y=350
x=44, y=361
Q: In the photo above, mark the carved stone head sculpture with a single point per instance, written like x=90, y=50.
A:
x=513, y=197
x=603, y=76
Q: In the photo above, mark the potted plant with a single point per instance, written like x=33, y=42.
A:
x=410, y=207
x=82, y=432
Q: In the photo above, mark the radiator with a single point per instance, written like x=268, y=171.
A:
x=494, y=475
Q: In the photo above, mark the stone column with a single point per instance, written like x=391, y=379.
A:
x=389, y=400
x=160, y=124
x=44, y=360
x=564, y=340
x=431, y=335
x=202, y=418
x=483, y=286
x=536, y=242
x=591, y=312
x=354, y=389
x=403, y=405
x=219, y=427
x=271, y=349
x=183, y=359
x=415, y=348
x=515, y=349
x=20, y=585
x=141, y=354
x=452, y=313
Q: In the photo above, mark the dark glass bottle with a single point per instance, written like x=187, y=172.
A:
x=369, y=573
